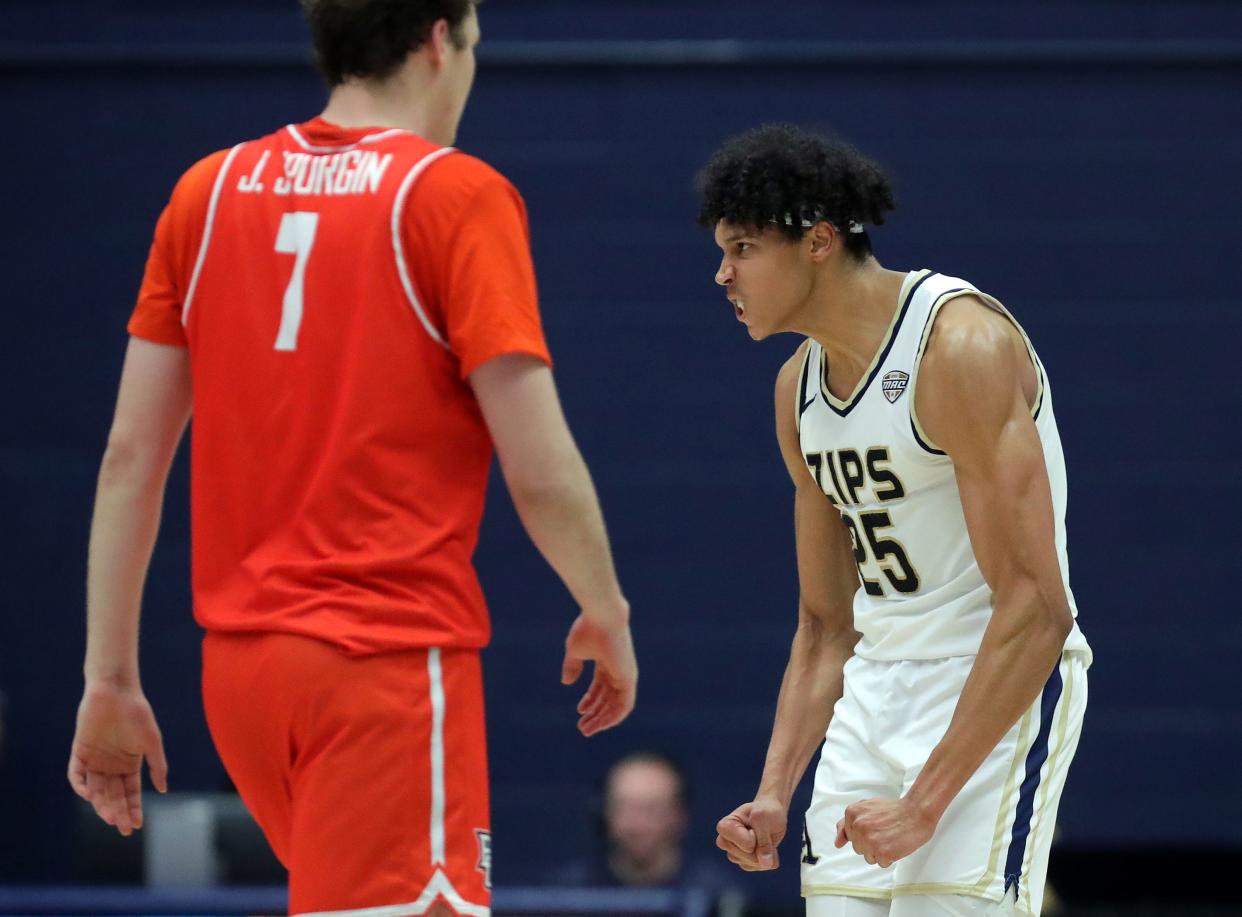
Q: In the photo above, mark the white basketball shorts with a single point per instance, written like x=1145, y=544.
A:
x=994, y=836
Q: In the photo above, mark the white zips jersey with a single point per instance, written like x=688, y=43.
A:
x=922, y=595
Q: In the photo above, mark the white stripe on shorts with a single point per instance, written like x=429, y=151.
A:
x=436, y=679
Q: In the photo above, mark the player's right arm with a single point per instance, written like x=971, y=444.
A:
x=116, y=729
x=556, y=501
x=823, y=642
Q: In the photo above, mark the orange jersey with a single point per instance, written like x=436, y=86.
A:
x=335, y=289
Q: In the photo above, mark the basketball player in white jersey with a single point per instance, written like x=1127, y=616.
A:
x=937, y=654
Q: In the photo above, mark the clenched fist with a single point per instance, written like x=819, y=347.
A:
x=885, y=830
x=751, y=833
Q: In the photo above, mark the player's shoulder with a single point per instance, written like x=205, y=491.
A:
x=191, y=195
x=458, y=186
x=969, y=334
x=196, y=182
x=975, y=356
x=790, y=372
x=208, y=165
x=788, y=398
x=463, y=176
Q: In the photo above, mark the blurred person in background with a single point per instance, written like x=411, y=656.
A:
x=347, y=307
x=643, y=822
x=937, y=644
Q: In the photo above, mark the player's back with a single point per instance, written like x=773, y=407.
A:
x=339, y=459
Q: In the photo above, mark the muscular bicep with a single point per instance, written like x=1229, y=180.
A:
x=974, y=403
x=1007, y=503
x=827, y=575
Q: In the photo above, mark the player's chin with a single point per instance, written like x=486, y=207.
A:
x=758, y=332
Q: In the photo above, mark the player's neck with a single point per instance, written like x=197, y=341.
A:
x=850, y=319
x=398, y=102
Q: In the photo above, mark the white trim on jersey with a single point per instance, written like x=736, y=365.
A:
x=301, y=141
x=439, y=885
x=383, y=135
x=1000, y=309
x=344, y=148
x=398, y=246
x=436, y=678
x=211, y=219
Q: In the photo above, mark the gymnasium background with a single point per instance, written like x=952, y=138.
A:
x=1080, y=160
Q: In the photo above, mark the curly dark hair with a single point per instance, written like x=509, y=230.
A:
x=781, y=174
x=371, y=38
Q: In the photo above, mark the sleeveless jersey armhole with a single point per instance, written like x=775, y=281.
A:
x=801, y=402
x=1031, y=355
x=920, y=435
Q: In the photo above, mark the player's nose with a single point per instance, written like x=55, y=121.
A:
x=724, y=275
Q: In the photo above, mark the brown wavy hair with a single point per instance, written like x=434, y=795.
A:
x=370, y=39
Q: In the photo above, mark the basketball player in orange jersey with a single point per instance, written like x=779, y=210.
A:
x=347, y=306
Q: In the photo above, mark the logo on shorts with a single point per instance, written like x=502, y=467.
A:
x=808, y=853
x=894, y=384
x=485, y=856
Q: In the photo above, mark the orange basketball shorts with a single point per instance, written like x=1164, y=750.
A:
x=367, y=774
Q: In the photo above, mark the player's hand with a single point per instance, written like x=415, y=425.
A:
x=610, y=698
x=116, y=730
x=750, y=834
x=885, y=830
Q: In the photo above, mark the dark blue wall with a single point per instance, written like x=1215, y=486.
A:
x=1094, y=188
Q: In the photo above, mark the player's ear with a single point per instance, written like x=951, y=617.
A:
x=438, y=42
x=822, y=238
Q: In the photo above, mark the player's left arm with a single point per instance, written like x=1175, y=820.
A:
x=116, y=729
x=975, y=391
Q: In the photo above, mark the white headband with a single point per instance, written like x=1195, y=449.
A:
x=854, y=225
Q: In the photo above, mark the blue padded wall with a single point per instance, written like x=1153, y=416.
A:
x=1095, y=191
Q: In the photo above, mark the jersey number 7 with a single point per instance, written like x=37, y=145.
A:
x=296, y=237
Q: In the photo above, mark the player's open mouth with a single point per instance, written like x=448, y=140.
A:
x=739, y=309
